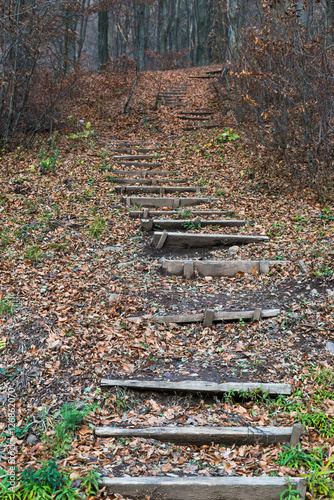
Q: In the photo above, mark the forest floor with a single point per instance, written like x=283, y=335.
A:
x=74, y=266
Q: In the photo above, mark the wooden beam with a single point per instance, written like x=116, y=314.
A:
x=192, y=240
x=157, y=213
x=166, y=202
x=218, y=269
x=144, y=173
x=135, y=157
x=183, y=224
x=154, y=189
x=200, y=386
x=218, y=316
x=204, y=488
x=137, y=164
x=147, y=181
x=194, y=112
x=200, y=435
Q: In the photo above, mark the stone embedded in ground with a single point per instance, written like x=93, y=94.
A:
x=32, y=439
x=330, y=292
x=113, y=296
x=330, y=347
x=234, y=249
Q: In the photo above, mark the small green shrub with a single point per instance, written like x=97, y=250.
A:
x=7, y=307
x=34, y=253
x=98, y=227
x=47, y=164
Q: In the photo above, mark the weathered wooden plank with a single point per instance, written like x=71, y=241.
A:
x=218, y=316
x=193, y=118
x=209, y=125
x=135, y=157
x=200, y=386
x=144, y=173
x=157, y=189
x=191, y=240
x=214, y=71
x=166, y=202
x=184, y=224
x=137, y=164
x=177, y=105
x=218, y=269
x=147, y=181
x=202, y=77
x=156, y=213
x=194, y=112
x=204, y=488
x=199, y=436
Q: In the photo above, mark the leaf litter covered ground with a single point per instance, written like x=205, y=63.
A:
x=75, y=266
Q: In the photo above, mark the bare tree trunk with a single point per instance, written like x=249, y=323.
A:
x=103, y=49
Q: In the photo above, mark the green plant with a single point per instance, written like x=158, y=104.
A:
x=90, y=483
x=295, y=457
x=88, y=132
x=7, y=307
x=98, y=227
x=47, y=164
x=319, y=482
x=34, y=253
x=227, y=136
x=191, y=225
x=65, y=423
x=290, y=493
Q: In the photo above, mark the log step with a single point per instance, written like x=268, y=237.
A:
x=194, y=112
x=204, y=488
x=129, y=150
x=190, y=240
x=200, y=386
x=214, y=71
x=141, y=180
x=177, y=105
x=216, y=269
x=192, y=118
x=137, y=164
x=209, y=125
x=199, y=436
x=201, y=77
x=184, y=224
x=254, y=314
x=166, y=202
x=144, y=173
x=135, y=157
x=159, y=189
x=138, y=214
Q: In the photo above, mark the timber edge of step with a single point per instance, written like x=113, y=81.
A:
x=205, y=488
x=215, y=268
x=202, y=435
x=200, y=386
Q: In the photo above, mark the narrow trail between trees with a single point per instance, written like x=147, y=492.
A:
x=168, y=220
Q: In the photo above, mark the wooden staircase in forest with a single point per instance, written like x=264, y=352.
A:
x=175, y=232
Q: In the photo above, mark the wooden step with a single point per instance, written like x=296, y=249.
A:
x=166, y=202
x=146, y=173
x=216, y=268
x=214, y=71
x=190, y=240
x=209, y=125
x=138, y=214
x=192, y=118
x=204, y=488
x=194, y=112
x=159, y=189
x=137, y=164
x=149, y=182
x=184, y=224
x=128, y=150
x=177, y=105
x=199, y=436
x=209, y=316
x=201, y=77
x=200, y=386
x=135, y=157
